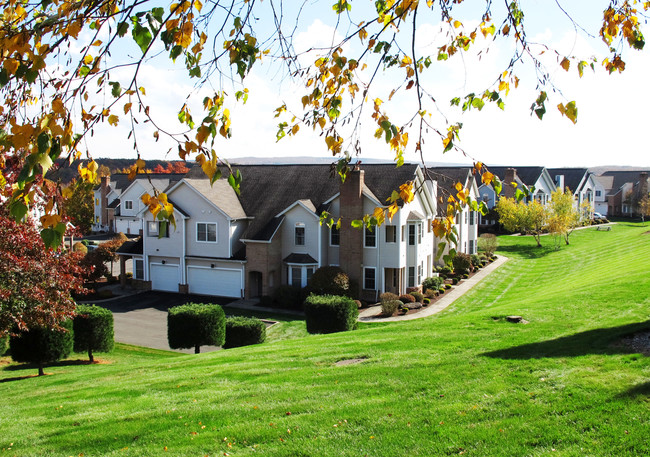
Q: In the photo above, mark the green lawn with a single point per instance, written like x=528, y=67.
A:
x=461, y=382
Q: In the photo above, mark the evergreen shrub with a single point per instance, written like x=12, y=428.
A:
x=244, y=331
x=42, y=345
x=93, y=330
x=330, y=313
x=194, y=325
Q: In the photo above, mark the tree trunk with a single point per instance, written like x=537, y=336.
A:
x=40, y=370
x=197, y=349
x=90, y=356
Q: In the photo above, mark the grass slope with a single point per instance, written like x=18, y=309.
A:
x=462, y=382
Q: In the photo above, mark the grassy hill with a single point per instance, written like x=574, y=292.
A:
x=464, y=382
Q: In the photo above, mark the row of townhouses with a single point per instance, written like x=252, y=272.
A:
x=245, y=245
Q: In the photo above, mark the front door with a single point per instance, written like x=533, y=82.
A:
x=391, y=280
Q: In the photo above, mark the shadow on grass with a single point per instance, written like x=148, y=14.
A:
x=60, y=363
x=640, y=390
x=597, y=341
x=529, y=251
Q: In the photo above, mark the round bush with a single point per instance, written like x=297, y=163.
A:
x=407, y=298
x=445, y=271
x=194, y=325
x=462, y=262
x=42, y=345
x=442, y=289
x=80, y=247
x=432, y=282
x=244, y=331
x=388, y=308
x=447, y=286
x=93, y=330
x=418, y=296
x=330, y=313
x=330, y=280
x=388, y=296
x=475, y=260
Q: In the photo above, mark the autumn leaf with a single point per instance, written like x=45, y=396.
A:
x=113, y=120
x=565, y=64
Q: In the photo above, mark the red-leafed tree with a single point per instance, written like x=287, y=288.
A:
x=36, y=282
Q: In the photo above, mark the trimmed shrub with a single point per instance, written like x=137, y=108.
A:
x=445, y=271
x=330, y=280
x=194, y=325
x=465, y=276
x=388, y=308
x=455, y=281
x=442, y=289
x=407, y=298
x=447, y=286
x=42, y=345
x=426, y=301
x=418, y=296
x=388, y=296
x=430, y=293
x=244, y=331
x=93, y=330
x=330, y=313
x=475, y=260
x=288, y=297
x=462, y=262
x=432, y=282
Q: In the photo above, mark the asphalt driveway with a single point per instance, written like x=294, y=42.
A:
x=141, y=319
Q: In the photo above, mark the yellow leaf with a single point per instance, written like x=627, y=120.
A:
x=140, y=164
x=321, y=122
x=457, y=24
x=88, y=59
x=295, y=129
x=487, y=177
x=57, y=106
x=127, y=107
x=113, y=119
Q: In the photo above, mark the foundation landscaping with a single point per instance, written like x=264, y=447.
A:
x=569, y=378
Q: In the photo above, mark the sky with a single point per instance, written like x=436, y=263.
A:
x=611, y=128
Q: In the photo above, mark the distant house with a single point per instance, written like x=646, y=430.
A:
x=270, y=235
x=582, y=183
x=626, y=187
x=106, y=198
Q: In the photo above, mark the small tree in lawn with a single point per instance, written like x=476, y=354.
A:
x=488, y=243
x=522, y=217
x=563, y=217
x=42, y=345
x=194, y=325
x=93, y=330
x=643, y=207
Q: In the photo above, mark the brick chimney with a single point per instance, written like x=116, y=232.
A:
x=351, y=239
x=508, y=188
x=103, y=200
x=643, y=184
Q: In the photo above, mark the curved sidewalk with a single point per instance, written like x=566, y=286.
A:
x=370, y=314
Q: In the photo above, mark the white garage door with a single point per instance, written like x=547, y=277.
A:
x=165, y=277
x=214, y=281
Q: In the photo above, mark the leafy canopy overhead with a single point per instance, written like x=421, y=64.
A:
x=68, y=67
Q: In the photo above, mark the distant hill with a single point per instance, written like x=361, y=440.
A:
x=66, y=173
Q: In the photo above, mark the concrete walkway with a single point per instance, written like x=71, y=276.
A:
x=372, y=314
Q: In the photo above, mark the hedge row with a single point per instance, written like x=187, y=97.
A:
x=330, y=313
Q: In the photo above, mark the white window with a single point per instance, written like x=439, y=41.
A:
x=411, y=277
x=128, y=204
x=138, y=269
x=370, y=238
x=472, y=217
x=411, y=235
x=335, y=236
x=156, y=228
x=300, y=235
x=419, y=233
x=369, y=278
x=419, y=274
x=391, y=234
x=206, y=232
x=471, y=247
x=299, y=275
x=597, y=193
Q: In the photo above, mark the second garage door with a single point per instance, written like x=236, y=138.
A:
x=214, y=281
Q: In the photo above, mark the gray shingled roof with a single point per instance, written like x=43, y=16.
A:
x=572, y=176
x=221, y=194
x=300, y=258
x=131, y=247
x=267, y=190
x=528, y=175
x=622, y=177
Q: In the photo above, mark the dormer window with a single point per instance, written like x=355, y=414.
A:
x=128, y=204
x=300, y=234
x=206, y=232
